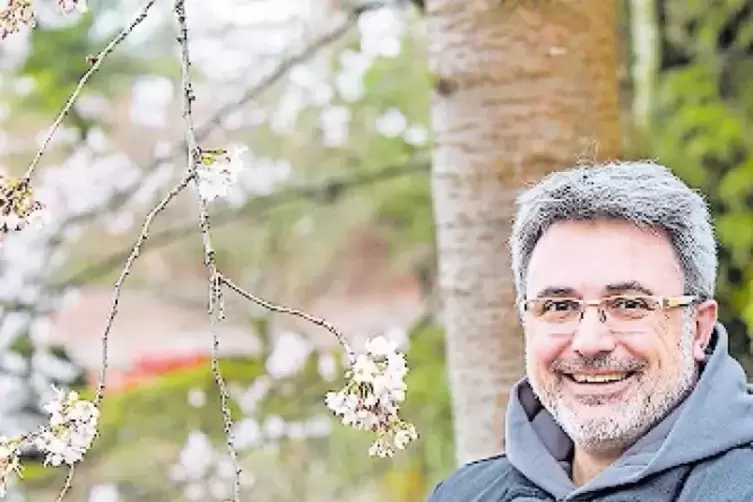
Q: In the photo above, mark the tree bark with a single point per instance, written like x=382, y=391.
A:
x=522, y=88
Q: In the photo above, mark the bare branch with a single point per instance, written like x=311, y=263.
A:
x=96, y=63
x=135, y=251
x=67, y=485
x=329, y=190
x=215, y=292
x=291, y=311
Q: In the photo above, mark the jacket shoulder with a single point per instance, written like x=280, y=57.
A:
x=725, y=477
x=480, y=480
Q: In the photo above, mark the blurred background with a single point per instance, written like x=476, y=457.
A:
x=333, y=215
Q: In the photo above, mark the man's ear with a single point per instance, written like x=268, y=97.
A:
x=706, y=315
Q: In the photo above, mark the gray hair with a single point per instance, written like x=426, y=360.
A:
x=643, y=193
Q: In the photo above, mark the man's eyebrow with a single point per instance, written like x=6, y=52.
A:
x=556, y=291
x=613, y=288
x=623, y=287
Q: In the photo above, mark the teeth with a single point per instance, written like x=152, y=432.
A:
x=609, y=377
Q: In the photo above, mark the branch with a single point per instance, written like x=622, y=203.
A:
x=123, y=195
x=194, y=158
x=135, y=251
x=96, y=63
x=294, y=312
x=215, y=292
x=116, y=300
x=280, y=71
x=67, y=484
x=329, y=189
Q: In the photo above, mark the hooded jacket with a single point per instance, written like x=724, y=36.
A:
x=702, y=451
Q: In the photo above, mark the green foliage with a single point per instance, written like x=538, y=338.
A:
x=142, y=430
x=704, y=113
x=59, y=56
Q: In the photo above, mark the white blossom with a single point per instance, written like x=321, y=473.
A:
x=104, y=493
x=391, y=123
x=72, y=428
x=381, y=31
x=349, y=80
x=197, y=398
x=372, y=395
x=289, y=355
x=327, y=366
x=247, y=433
x=202, y=470
x=415, y=135
x=219, y=171
x=334, y=123
x=274, y=427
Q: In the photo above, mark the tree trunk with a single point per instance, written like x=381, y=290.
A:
x=522, y=88
x=646, y=45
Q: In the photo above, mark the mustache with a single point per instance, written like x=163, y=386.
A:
x=596, y=363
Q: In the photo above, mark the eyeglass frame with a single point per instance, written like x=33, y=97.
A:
x=663, y=302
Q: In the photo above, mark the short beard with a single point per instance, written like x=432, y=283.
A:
x=631, y=419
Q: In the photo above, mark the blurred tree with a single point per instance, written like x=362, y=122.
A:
x=703, y=114
x=644, y=31
x=58, y=55
x=520, y=89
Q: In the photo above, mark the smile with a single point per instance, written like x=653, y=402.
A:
x=602, y=378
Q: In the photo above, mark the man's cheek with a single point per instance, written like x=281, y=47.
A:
x=543, y=352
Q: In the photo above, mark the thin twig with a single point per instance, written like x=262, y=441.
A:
x=291, y=311
x=135, y=251
x=96, y=63
x=215, y=291
x=67, y=485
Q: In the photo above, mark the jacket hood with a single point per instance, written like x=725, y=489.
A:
x=714, y=418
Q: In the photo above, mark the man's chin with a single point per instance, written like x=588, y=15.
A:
x=596, y=431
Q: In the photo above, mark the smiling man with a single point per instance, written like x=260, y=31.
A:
x=630, y=392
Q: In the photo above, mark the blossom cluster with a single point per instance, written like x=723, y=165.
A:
x=19, y=13
x=218, y=171
x=371, y=397
x=18, y=208
x=71, y=430
x=73, y=426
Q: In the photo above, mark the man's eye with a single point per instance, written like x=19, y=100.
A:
x=630, y=303
x=559, y=305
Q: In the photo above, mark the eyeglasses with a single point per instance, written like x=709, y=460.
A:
x=620, y=312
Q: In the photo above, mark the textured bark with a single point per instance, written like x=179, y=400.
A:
x=523, y=87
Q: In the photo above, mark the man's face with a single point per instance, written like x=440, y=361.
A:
x=607, y=383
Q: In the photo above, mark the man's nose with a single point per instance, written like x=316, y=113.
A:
x=592, y=337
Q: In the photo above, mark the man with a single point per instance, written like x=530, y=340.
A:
x=630, y=392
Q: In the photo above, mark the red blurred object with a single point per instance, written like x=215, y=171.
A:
x=147, y=368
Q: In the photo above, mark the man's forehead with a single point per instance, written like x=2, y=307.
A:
x=596, y=259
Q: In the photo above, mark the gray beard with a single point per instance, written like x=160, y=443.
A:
x=631, y=420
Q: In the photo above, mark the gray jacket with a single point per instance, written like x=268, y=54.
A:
x=701, y=452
